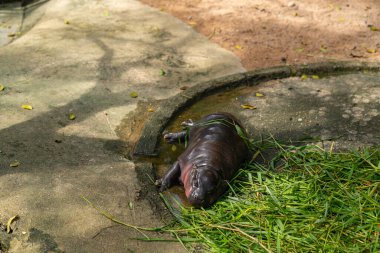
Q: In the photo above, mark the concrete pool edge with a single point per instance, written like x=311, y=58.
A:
x=149, y=139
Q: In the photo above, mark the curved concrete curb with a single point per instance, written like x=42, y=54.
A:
x=153, y=128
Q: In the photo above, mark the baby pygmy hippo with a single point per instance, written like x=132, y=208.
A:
x=215, y=151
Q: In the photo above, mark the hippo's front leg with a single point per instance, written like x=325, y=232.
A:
x=171, y=177
x=175, y=137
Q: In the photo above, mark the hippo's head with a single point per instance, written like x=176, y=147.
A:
x=206, y=185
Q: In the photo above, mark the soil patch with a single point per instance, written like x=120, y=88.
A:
x=270, y=33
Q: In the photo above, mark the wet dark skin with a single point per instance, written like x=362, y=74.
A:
x=214, y=153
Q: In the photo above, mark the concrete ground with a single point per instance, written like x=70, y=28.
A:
x=86, y=58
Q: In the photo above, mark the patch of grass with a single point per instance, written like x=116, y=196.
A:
x=305, y=200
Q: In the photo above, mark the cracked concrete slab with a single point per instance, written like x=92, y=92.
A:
x=86, y=57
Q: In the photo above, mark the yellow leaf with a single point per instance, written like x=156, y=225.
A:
x=304, y=77
x=15, y=163
x=192, y=23
x=374, y=28
x=238, y=47
x=371, y=50
x=259, y=94
x=67, y=22
x=10, y=221
x=247, y=106
x=150, y=109
x=174, y=148
x=11, y=35
x=134, y=94
x=323, y=49
x=72, y=116
x=2, y=87
x=315, y=76
x=27, y=107
x=341, y=20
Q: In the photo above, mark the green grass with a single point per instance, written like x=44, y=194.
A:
x=304, y=200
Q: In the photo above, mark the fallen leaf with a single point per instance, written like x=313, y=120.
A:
x=15, y=163
x=2, y=87
x=238, y=47
x=247, y=106
x=150, y=110
x=10, y=221
x=67, y=22
x=174, y=148
x=11, y=35
x=315, y=76
x=341, y=20
x=192, y=23
x=323, y=49
x=356, y=52
x=259, y=94
x=373, y=28
x=27, y=107
x=130, y=204
x=304, y=77
x=133, y=94
x=72, y=116
x=162, y=72
x=371, y=50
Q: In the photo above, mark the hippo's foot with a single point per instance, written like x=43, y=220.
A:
x=158, y=182
x=175, y=137
x=187, y=123
x=171, y=177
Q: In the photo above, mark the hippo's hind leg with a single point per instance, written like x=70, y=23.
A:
x=171, y=177
x=175, y=137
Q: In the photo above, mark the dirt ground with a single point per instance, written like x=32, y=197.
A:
x=269, y=33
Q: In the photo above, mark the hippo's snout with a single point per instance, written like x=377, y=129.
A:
x=197, y=198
